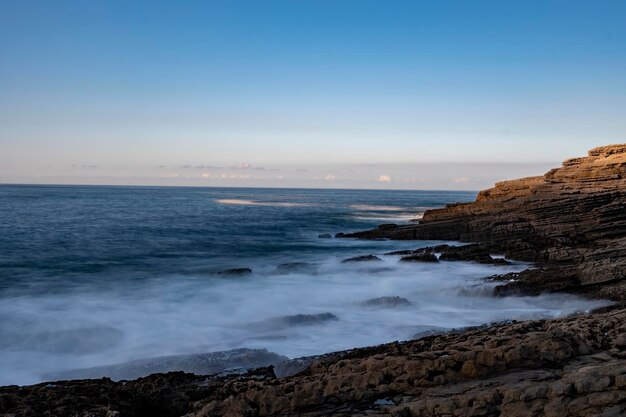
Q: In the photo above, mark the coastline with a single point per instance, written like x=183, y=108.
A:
x=571, y=223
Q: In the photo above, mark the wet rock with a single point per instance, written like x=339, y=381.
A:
x=401, y=252
x=388, y=302
x=235, y=271
x=364, y=258
x=420, y=257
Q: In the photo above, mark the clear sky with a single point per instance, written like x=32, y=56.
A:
x=339, y=93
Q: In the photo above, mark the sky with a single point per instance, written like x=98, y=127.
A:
x=391, y=94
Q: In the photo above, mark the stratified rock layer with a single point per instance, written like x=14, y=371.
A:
x=573, y=218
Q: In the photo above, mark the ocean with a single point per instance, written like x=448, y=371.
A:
x=94, y=275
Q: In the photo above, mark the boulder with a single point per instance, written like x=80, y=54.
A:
x=364, y=258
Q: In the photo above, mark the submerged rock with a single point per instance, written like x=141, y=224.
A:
x=364, y=258
x=388, y=301
x=235, y=271
x=325, y=236
x=473, y=253
x=304, y=319
x=266, y=328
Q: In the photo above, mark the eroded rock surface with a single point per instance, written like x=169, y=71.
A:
x=573, y=219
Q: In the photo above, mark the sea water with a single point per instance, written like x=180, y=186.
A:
x=93, y=276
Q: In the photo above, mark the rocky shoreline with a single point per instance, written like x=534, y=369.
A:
x=571, y=223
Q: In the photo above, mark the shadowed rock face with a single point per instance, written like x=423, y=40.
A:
x=573, y=217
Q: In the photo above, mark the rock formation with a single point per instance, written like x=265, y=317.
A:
x=571, y=221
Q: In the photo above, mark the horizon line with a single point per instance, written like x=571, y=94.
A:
x=7, y=184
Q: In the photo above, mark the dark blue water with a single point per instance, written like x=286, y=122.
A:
x=53, y=234
x=100, y=275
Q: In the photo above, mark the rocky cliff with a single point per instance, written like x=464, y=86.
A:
x=573, y=219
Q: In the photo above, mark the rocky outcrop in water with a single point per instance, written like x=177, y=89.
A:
x=363, y=258
x=571, y=221
x=387, y=302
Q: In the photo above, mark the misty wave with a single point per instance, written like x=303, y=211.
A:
x=242, y=202
x=390, y=219
x=387, y=214
x=101, y=287
x=302, y=313
x=368, y=207
x=74, y=341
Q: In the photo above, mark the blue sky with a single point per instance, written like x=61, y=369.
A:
x=306, y=93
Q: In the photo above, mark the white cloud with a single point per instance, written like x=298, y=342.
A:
x=384, y=178
x=460, y=180
x=330, y=177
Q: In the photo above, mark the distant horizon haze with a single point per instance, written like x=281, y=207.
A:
x=430, y=176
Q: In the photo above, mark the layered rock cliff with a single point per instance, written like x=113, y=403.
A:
x=573, y=218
